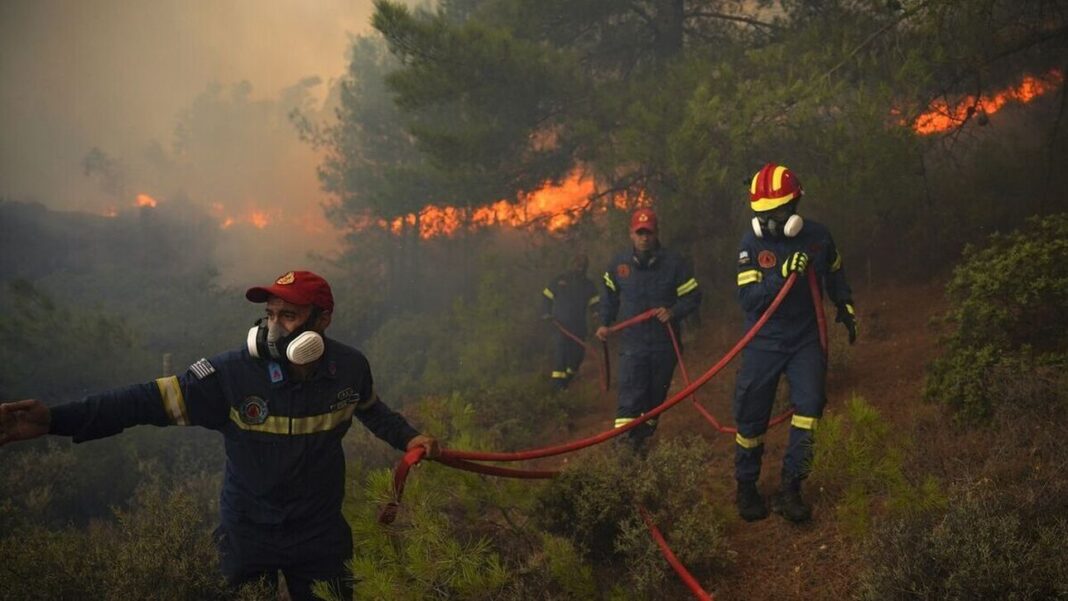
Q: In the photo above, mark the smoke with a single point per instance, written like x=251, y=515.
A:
x=183, y=101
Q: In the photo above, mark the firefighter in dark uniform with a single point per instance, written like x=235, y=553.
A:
x=646, y=277
x=282, y=402
x=566, y=299
x=781, y=243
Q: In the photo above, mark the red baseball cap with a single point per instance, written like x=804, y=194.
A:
x=297, y=287
x=643, y=219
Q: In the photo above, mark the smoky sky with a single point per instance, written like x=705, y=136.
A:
x=184, y=100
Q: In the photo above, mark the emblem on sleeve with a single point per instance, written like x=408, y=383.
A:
x=348, y=396
x=623, y=270
x=743, y=258
x=253, y=410
x=766, y=259
x=202, y=369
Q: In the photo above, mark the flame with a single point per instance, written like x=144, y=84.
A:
x=259, y=219
x=553, y=206
x=941, y=116
x=144, y=200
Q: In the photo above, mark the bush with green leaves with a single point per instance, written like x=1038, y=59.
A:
x=983, y=546
x=159, y=548
x=1010, y=304
x=859, y=463
x=594, y=503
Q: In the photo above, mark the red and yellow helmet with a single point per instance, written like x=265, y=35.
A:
x=772, y=187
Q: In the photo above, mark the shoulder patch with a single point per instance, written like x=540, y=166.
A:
x=202, y=369
x=743, y=258
x=767, y=259
x=623, y=270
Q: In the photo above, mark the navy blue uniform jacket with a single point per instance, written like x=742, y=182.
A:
x=284, y=460
x=567, y=298
x=632, y=286
x=760, y=278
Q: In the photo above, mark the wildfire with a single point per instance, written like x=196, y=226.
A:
x=942, y=116
x=144, y=200
x=556, y=206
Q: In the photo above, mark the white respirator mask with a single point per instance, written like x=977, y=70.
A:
x=300, y=347
x=783, y=221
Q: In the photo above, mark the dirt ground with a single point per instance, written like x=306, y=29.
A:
x=775, y=559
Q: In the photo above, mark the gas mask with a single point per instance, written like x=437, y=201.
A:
x=299, y=347
x=783, y=221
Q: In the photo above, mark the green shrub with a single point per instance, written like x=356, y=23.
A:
x=159, y=548
x=1010, y=306
x=594, y=504
x=981, y=547
x=859, y=463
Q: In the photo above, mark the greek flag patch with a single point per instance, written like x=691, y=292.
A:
x=202, y=369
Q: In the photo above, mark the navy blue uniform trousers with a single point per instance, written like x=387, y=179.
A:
x=308, y=553
x=754, y=396
x=644, y=379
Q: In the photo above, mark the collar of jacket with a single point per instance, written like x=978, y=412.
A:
x=650, y=259
x=325, y=367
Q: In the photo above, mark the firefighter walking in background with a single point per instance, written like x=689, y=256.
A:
x=566, y=300
x=646, y=277
x=780, y=243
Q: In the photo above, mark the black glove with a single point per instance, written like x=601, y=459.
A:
x=847, y=315
x=795, y=262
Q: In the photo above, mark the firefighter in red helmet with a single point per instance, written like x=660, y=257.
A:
x=780, y=243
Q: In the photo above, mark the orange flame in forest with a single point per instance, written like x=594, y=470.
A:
x=941, y=116
x=557, y=206
x=144, y=200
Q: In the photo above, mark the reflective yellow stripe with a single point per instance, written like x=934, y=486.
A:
x=272, y=425
x=298, y=425
x=322, y=422
x=366, y=404
x=594, y=300
x=776, y=177
x=837, y=261
x=767, y=204
x=559, y=374
x=608, y=282
x=748, y=443
x=850, y=310
x=749, y=276
x=805, y=423
x=689, y=286
x=548, y=294
x=173, y=400
x=622, y=421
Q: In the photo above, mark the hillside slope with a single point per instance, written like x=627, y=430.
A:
x=773, y=558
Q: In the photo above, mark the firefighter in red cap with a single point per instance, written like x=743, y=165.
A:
x=646, y=277
x=282, y=401
x=780, y=243
x=567, y=299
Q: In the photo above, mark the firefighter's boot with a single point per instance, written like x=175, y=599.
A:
x=751, y=505
x=789, y=504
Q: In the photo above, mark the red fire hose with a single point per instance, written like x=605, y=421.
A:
x=684, y=574
x=667, y=404
x=459, y=459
